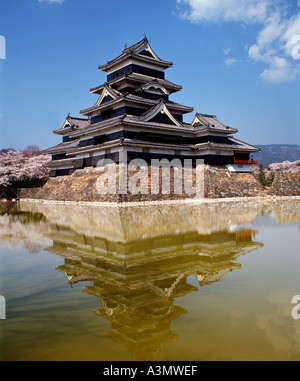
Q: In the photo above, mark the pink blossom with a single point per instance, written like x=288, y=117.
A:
x=17, y=165
x=285, y=166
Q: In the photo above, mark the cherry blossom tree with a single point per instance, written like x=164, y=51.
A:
x=285, y=166
x=32, y=151
x=21, y=166
x=266, y=175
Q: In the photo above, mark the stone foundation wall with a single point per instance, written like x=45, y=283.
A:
x=82, y=186
x=221, y=183
x=285, y=184
x=218, y=183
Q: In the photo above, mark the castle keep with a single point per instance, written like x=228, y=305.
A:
x=134, y=114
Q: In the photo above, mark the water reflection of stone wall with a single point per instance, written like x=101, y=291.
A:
x=285, y=211
x=131, y=222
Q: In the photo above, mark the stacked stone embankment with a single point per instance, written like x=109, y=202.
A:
x=221, y=183
x=285, y=184
x=217, y=182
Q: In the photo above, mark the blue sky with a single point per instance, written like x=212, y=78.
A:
x=239, y=60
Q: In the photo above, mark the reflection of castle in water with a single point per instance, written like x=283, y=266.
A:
x=137, y=295
x=138, y=259
x=137, y=268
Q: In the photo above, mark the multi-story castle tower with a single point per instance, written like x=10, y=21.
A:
x=133, y=113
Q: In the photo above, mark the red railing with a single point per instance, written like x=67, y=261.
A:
x=245, y=161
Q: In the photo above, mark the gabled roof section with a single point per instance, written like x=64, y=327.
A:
x=155, y=110
x=154, y=86
x=210, y=122
x=71, y=123
x=141, y=51
x=138, y=79
x=143, y=48
x=138, y=101
x=108, y=94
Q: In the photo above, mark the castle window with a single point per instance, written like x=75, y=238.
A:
x=107, y=113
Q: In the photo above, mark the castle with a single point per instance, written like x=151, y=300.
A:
x=133, y=114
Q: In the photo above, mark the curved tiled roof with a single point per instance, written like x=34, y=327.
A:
x=134, y=51
x=139, y=79
x=71, y=123
x=138, y=100
x=61, y=147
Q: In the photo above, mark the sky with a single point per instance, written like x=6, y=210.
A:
x=236, y=59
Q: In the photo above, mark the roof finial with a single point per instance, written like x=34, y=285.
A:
x=145, y=35
x=125, y=45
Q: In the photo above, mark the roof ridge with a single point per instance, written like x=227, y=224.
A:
x=75, y=117
x=144, y=39
x=133, y=51
x=208, y=115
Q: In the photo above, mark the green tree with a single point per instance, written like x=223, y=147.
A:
x=262, y=176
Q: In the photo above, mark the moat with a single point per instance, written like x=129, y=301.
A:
x=185, y=281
